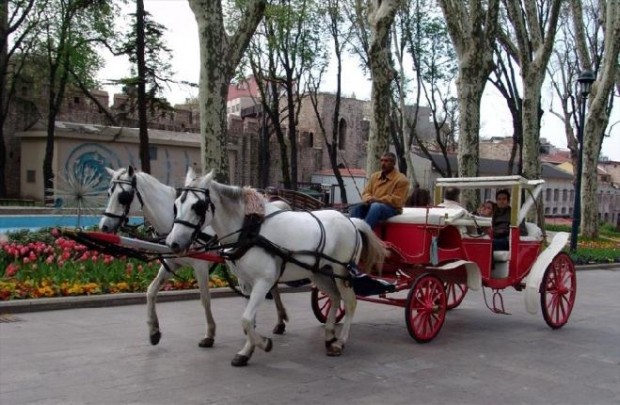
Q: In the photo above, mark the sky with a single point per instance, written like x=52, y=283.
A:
x=182, y=39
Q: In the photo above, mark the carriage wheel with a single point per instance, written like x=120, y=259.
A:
x=425, y=312
x=321, y=303
x=558, y=290
x=455, y=293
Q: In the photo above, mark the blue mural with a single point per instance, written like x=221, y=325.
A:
x=88, y=161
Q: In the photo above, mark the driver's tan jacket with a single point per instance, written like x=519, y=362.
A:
x=391, y=189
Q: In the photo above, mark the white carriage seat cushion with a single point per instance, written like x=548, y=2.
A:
x=534, y=233
x=432, y=215
x=501, y=255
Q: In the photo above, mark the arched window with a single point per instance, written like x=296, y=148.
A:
x=342, y=134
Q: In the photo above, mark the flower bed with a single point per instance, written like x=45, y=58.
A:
x=54, y=267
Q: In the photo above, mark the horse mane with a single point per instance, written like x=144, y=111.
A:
x=252, y=201
x=151, y=180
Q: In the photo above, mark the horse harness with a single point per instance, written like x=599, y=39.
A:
x=125, y=198
x=249, y=237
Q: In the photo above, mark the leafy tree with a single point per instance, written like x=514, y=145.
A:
x=220, y=53
x=529, y=43
x=425, y=39
x=340, y=36
x=473, y=27
x=16, y=22
x=150, y=60
x=381, y=14
x=288, y=47
x=68, y=32
x=607, y=70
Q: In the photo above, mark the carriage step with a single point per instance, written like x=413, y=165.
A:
x=365, y=285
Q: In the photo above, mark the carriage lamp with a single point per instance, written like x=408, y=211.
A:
x=584, y=84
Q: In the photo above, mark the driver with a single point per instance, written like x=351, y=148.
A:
x=385, y=193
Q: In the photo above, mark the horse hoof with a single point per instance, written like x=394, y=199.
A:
x=279, y=329
x=334, y=351
x=206, y=342
x=330, y=342
x=269, y=345
x=155, y=337
x=240, y=361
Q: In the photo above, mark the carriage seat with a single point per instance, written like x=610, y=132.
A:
x=534, y=233
x=430, y=215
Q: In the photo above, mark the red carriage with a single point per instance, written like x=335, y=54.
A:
x=437, y=254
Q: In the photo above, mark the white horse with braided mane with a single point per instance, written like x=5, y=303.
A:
x=321, y=245
x=131, y=190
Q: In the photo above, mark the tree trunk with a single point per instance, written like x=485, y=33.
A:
x=145, y=159
x=598, y=119
x=531, y=47
x=219, y=56
x=473, y=32
x=4, y=25
x=380, y=18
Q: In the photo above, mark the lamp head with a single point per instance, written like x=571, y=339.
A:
x=585, y=80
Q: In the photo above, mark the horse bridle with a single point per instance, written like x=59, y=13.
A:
x=125, y=198
x=200, y=207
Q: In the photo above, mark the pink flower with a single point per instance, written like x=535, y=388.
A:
x=11, y=270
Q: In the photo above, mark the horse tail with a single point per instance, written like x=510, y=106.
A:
x=373, y=249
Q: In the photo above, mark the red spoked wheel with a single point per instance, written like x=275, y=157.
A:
x=558, y=290
x=426, y=308
x=455, y=293
x=321, y=303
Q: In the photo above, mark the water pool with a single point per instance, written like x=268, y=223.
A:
x=12, y=223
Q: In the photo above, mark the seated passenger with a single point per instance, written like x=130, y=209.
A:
x=451, y=198
x=420, y=197
x=384, y=194
x=486, y=209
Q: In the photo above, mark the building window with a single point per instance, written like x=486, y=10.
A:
x=547, y=210
x=555, y=210
x=311, y=140
x=30, y=176
x=564, y=195
x=548, y=194
x=556, y=194
x=153, y=152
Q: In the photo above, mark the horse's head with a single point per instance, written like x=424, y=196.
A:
x=193, y=210
x=122, y=193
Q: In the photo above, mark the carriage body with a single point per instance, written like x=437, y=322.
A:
x=437, y=255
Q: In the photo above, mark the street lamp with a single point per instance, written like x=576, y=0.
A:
x=584, y=84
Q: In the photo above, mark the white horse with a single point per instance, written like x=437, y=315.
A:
x=131, y=190
x=322, y=245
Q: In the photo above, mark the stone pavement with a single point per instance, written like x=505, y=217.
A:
x=102, y=355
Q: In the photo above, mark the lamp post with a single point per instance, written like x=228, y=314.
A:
x=584, y=84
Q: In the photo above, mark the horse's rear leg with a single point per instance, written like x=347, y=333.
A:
x=201, y=269
x=253, y=338
x=151, y=298
x=282, y=315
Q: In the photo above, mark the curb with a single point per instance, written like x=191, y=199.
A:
x=112, y=300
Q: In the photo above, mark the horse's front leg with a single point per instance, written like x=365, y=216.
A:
x=282, y=315
x=350, y=304
x=327, y=286
x=248, y=322
x=151, y=297
x=201, y=270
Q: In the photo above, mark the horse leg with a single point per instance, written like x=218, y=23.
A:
x=248, y=322
x=151, y=297
x=328, y=287
x=282, y=315
x=201, y=270
x=350, y=304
